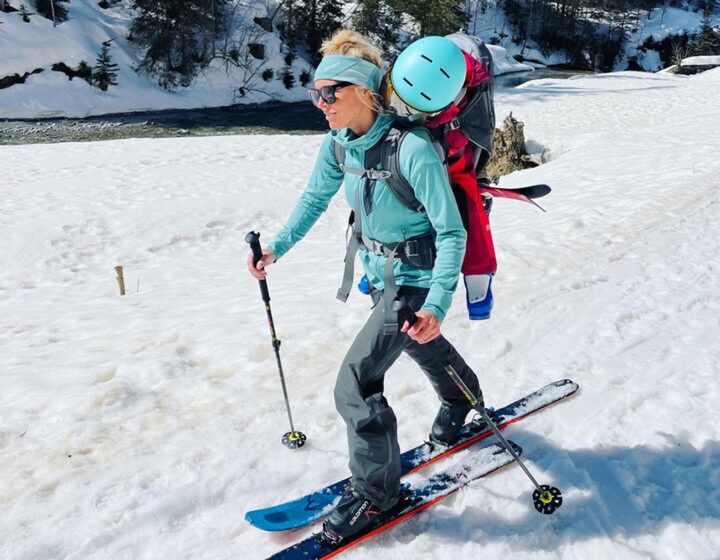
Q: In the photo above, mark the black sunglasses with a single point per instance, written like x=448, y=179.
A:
x=326, y=93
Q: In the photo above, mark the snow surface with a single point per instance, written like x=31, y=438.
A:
x=145, y=426
x=702, y=60
x=695, y=61
x=503, y=63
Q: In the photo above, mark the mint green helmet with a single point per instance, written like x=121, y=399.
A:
x=429, y=74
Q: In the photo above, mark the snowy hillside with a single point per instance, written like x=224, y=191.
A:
x=659, y=23
x=51, y=94
x=145, y=426
x=28, y=46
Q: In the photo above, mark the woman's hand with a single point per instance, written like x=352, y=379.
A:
x=425, y=329
x=259, y=271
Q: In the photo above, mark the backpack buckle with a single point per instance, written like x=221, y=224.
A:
x=374, y=174
x=411, y=248
x=376, y=248
x=453, y=124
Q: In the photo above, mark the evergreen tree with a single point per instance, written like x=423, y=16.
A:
x=436, y=17
x=104, y=72
x=179, y=36
x=24, y=14
x=708, y=40
x=379, y=20
x=52, y=9
x=315, y=21
x=288, y=78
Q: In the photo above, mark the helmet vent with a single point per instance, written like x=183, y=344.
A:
x=444, y=72
x=425, y=96
x=426, y=58
x=408, y=82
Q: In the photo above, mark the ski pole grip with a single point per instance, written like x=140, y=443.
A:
x=253, y=238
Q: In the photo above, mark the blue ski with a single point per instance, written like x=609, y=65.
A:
x=312, y=507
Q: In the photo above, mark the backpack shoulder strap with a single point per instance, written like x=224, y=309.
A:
x=384, y=163
x=369, y=171
x=390, y=156
x=339, y=151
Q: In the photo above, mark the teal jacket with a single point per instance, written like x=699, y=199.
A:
x=389, y=220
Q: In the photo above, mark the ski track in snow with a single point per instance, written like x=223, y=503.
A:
x=145, y=426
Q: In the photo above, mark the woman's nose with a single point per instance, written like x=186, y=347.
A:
x=322, y=104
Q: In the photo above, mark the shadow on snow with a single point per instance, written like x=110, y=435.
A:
x=610, y=491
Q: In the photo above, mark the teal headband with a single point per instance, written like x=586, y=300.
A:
x=349, y=69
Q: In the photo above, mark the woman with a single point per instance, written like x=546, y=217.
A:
x=346, y=90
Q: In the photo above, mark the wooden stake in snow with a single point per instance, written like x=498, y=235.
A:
x=120, y=279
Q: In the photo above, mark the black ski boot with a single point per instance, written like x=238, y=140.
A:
x=353, y=514
x=448, y=422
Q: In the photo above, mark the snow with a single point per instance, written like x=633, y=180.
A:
x=144, y=426
x=52, y=94
x=29, y=46
x=660, y=23
x=709, y=61
x=664, y=21
x=702, y=60
x=503, y=63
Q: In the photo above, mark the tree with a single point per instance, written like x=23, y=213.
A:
x=24, y=14
x=179, y=36
x=380, y=20
x=52, y=9
x=316, y=20
x=435, y=17
x=105, y=72
x=708, y=39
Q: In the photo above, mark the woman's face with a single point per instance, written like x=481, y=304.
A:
x=348, y=109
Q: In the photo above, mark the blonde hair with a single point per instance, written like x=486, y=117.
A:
x=351, y=43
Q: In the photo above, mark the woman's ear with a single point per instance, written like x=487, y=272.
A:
x=367, y=93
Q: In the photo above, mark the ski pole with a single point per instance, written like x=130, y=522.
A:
x=293, y=439
x=546, y=499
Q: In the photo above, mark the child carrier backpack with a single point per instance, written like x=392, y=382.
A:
x=475, y=120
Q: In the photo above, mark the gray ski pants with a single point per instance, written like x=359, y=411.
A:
x=371, y=423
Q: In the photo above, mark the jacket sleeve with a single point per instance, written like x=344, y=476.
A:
x=324, y=182
x=421, y=165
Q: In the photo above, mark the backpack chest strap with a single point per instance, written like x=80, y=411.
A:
x=372, y=174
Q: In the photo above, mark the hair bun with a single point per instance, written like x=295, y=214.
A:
x=351, y=43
